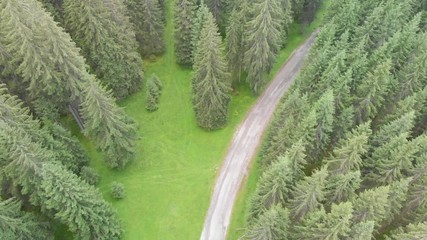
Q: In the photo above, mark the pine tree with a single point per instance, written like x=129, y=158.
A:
x=362, y=231
x=234, y=42
x=342, y=187
x=401, y=125
x=198, y=25
x=263, y=37
x=273, y=188
x=348, y=156
x=184, y=17
x=272, y=225
x=412, y=232
x=78, y=204
x=113, y=130
x=211, y=82
x=55, y=70
x=19, y=225
x=154, y=88
x=322, y=226
x=147, y=18
x=218, y=9
x=396, y=198
x=296, y=156
x=371, y=205
x=308, y=194
x=111, y=52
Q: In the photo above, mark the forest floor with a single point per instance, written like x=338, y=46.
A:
x=169, y=184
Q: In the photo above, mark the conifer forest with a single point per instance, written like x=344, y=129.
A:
x=117, y=118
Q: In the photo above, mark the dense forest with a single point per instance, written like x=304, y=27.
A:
x=61, y=58
x=345, y=157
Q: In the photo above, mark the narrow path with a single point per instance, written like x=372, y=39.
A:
x=244, y=146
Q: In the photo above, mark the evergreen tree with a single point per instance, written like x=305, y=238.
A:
x=54, y=69
x=322, y=226
x=263, y=37
x=342, y=187
x=184, y=17
x=296, y=156
x=362, y=231
x=396, y=198
x=412, y=232
x=113, y=130
x=272, y=225
x=198, y=25
x=273, y=188
x=308, y=194
x=154, y=87
x=348, y=156
x=234, y=42
x=371, y=205
x=147, y=19
x=218, y=9
x=19, y=225
x=211, y=82
x=399, y=126
x=111, y=52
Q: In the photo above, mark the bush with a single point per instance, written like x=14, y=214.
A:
x=154, y=87
x=89, y=175
x=118, y=190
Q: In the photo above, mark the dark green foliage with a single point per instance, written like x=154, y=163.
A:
x=348, y=156
x=76, y=204
x=211, y=81
x=118, y=190
x=342, y=187
x=262, y=37
x=218, y=9
x=372, y=205
x=274, y=188
x=234, y=43
x=146, y=17
x=111, y=50
x=319, y=225
x=154, y=87
x=308, y=194
x=18, y=225
x=272, y=225
x=89, y=175
x=113, y=131
x=184, y=20
x=198, y=25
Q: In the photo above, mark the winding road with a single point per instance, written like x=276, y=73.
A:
x=244, y=146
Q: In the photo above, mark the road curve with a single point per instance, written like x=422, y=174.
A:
x=244, y=146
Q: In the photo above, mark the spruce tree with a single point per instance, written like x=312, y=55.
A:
x=273, y=188
x=342, y=187
x=263, y=37
x=272, y=225
x=147, y=19
x=54, y=69
x=362, y=231
x=348, y=156
x=184, y=17
x=371, y=205
x=211, y=81
x=412, y=232
x=234, y=43
x=308, y=194
x=320, y=225
x=111, y=52
x=19, y=225
x=218, y=9
x=198, y=25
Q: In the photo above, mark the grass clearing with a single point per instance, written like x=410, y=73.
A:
x=295, y=39
x=168, y=186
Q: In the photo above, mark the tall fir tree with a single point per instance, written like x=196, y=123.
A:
x=272, y=225
x=146, y=17
x=110, y=51
x=342, y=187
x=308, y=194
x=211, y=80
x=184, y=20
x=371, y=205
x=263, y=38
x=55, y=71
x=20, y=225
x=234, y=42
x=198, y=25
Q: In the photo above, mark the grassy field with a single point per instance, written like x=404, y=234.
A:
x=237, y=225
x=170, y=182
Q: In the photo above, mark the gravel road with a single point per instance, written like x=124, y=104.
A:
x=244, y=145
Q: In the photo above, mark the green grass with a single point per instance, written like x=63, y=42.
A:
x=295, y=39
x=170, y=182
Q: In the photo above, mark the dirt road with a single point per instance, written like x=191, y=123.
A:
x=244, y=146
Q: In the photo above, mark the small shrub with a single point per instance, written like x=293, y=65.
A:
x=89, y=175
x=118, y=190
x=154, y=87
